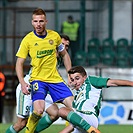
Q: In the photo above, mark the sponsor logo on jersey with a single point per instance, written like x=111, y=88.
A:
x=43, y=53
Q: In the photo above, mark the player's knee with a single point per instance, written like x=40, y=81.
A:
x=39, y=111
x=61, y=111
x=55, y=115
x=68, y=101
x=54, y=118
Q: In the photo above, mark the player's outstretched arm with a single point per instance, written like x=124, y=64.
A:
x=119, y=82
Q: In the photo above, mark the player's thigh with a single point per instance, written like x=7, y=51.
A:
x=48, y=101
x=59, y=91
x=39, y=90
x=39, y=106
x=50, y=107
x=68, y=101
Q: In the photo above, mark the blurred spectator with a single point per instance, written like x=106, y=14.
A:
x=2, y=94
x=71, y=28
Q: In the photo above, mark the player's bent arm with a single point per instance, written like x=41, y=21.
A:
x=118, y=82
x=19, y=69
x=67, y=129
x=66, y=59
x=20, y=74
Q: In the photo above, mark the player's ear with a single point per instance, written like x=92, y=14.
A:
x=85, y=77
x=32, y=22
x=46, y=21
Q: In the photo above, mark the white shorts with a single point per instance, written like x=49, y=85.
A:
x=91, y=119
x=24, y=102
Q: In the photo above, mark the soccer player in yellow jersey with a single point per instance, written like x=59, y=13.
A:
x=24, y=104
x=42, y=45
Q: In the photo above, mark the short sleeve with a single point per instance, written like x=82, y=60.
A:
x=98, y=82
x=23, y=49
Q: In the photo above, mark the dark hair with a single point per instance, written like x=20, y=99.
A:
x=39, y=11
x=70, y=17
x=77, y=69
x=65, y=37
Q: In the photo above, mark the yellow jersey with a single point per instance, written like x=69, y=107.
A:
x=43, y=56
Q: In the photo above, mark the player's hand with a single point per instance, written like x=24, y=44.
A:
x=25, y=88
x=93, y=130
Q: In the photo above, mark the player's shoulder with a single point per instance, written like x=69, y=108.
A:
x=93, y=76
x=29, y=34
x=52, y=32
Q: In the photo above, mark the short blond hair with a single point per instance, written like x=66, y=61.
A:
x=39, y=11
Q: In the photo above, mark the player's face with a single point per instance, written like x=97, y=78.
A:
x=66, y=43
x=77, y=80
x=39, y=23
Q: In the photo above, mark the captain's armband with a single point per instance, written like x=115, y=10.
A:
x=61, y=47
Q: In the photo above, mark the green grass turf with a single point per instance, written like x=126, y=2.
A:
x=102, y=128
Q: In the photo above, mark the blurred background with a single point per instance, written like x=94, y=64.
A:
x=104, y=47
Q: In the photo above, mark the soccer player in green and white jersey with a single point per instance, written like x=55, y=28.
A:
x=88, y=96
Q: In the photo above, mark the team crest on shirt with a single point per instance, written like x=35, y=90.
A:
x=51, y=42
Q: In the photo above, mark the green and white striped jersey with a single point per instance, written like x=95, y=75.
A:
x=88, y=98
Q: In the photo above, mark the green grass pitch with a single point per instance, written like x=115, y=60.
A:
x=103, y=128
